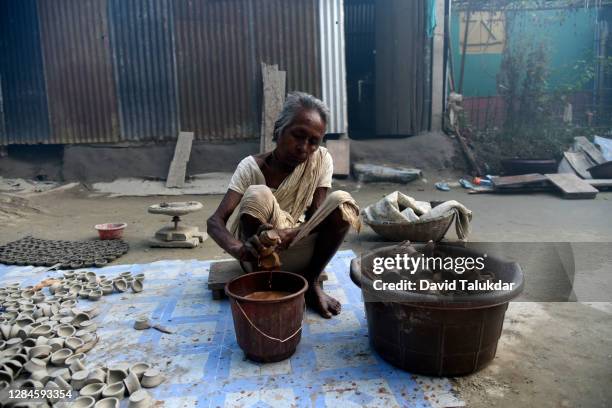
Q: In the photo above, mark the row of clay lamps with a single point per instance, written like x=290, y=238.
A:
x=43, y=341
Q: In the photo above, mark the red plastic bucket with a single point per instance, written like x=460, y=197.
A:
x=267, y=330
x=110, y=230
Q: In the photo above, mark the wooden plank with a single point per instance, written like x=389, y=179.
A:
x=178, y=167
x=600, y=183
x=565, y=167
x=274, y=84
x=513, y=190
x=522, y=180
x=589, y=148
x=572, y=186
x=579, y=162
x=341, y=154
x=468, y=153
x=223, y=272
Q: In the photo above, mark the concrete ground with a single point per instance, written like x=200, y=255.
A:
x=551, y=354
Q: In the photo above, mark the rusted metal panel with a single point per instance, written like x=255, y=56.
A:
x=215, y=69
x=22, y=83
x=78, y=67
x=112, y=70
x=359, y=16
x=333, y=65
x=142, y=40
x=219, y=48
x=290, y=37
x=360, y=41
x=3, y=138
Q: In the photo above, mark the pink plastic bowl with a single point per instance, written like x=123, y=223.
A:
x=110, y=231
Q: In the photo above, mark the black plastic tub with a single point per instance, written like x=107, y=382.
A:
x=516, y=167
x=437, y=335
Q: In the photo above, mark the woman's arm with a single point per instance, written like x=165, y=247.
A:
x=217, y=229
x=287, y=235
x=317, y=200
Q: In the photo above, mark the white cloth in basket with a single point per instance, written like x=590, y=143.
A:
x=398, y=208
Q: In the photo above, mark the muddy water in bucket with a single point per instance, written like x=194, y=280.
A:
x=267, y=308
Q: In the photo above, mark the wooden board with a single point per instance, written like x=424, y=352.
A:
x=514, y=190
x=582, y=143
x=565, y=167
x=600, y=183
x=579, y=162
x=178, y=166
x=523, y=180
x=274, y=84
x=572, y=186
x=340, y=153
x=224, y=271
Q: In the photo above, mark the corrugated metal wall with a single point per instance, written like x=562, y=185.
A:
x=401, y=78
x=289, y=37
x=215, y=69
x=3, y=139
x=24, y=99
x=360, y=38
x=105, y=71
x=333, y=64
x=142, y=40
x=220, y=45
x=79, y=72
x=359, y=17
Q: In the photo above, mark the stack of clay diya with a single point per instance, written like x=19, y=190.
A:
x=43, y=341
x=105, y=387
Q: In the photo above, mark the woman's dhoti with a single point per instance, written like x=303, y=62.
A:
x=259, y=202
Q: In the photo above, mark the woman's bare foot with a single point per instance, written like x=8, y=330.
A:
x=320, y=301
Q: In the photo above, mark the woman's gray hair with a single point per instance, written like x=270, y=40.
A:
x=294, y=104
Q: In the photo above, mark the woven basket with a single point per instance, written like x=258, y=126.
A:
x=417, y=231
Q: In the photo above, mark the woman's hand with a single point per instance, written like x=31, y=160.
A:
x=245, y=252
x=284, y=236
x=252, y=249
x=287, y=236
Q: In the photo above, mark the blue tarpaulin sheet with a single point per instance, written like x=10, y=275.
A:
x=204, y=367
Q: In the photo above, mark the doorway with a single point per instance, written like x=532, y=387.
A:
x=387, y=68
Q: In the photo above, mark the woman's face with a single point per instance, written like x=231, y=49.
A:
x=301, y=137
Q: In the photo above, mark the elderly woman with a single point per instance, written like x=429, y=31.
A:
x=287, y=189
